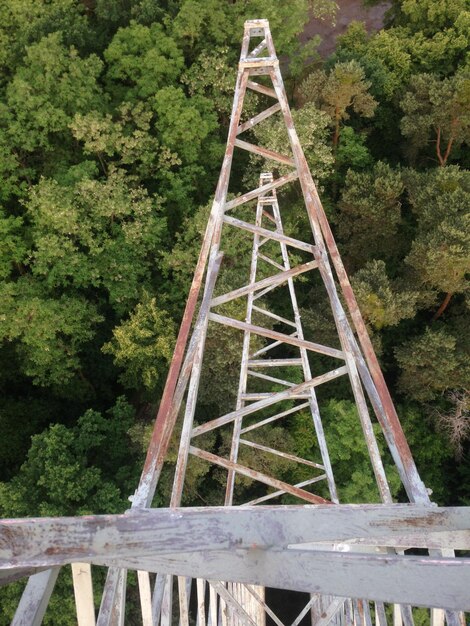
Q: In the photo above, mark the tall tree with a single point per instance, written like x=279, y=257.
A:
x=46, y=91
x=369, y=214
x=440, y=252
x=338, y=92
x=438, y=111
x=432, y=363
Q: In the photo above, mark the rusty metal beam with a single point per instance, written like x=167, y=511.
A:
x=264, y=152
x=290, y=241
x=276, y=279
x=27, y=542
x=272, y=334
x=252, y=195
x=273, y=399
x=258, y=118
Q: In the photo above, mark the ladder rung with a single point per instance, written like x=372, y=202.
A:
x=274, y=362
x=267, y=200
x=262, y=396
x=285, y=455
x=270, y=346
x=259, y=191
x=272, y=379
x=274, y=418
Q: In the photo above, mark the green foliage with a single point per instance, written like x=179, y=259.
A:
x=48, y=334
x=370, y=213
x=95, y=234
x=382, y=303
x=194, y=493
x=142, y=345
x=440, y=253
x=39, y=101
x=12, y=247
x=212, y=75
x=382, y=55
x=127, y=138
x=349, y=456
x=24, y=22
x=352, y=151
x=20, y=418
x=53, y=84
x=431, y=364
x=312, y=128
x=431, y=451
x=342, y=90
x=435, y=34
x=65, y=474
x=143, y=57
x=391, y=56
x=430, y=16
x=437, y=111
x=183, y=123
x=198, y=22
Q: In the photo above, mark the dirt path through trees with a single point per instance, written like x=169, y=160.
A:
x=348, y=11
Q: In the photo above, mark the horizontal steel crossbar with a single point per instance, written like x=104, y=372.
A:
x=260, y=191
x=251, y=545
x=259, y=476
x=284, y=455
x=273, y=399
x=275, y=280
x=269, y=234
x=264, y=152
x=272, y=334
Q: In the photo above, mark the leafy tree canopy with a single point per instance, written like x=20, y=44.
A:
x=65, y=473
x=440, y=253
x=437, y=111
x=342, y=90
x=370, y=213
x=143, y=59
x=143, y=345
x=79, y=230
x=431, y=364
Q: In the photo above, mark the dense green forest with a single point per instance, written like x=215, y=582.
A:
x=113, y=122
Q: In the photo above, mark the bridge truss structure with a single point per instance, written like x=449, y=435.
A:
x=352, y=564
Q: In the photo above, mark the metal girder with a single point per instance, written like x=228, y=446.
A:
x=261, y=545
x=282, y=547
x=171, y=530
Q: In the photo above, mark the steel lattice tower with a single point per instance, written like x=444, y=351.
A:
x=220, y=559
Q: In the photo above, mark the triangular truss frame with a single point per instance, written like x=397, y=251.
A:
x=150, y=540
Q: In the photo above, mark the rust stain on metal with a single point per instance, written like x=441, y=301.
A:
x=185, y=546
